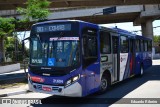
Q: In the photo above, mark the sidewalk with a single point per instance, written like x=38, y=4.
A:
x=156, y=62
x=14, y=90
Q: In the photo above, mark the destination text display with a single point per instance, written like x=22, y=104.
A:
x=53, y=28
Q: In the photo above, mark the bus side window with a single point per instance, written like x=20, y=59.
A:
x=115, y=44
x=90, y=46
x=137, y=46
x=149, y=45
x=124, y=44
x=105, y=42
x=142, y=46
x=90, y=53
x=145, y=46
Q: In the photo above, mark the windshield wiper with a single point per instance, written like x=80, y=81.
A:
x=39, y=39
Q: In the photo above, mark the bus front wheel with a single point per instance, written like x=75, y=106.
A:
x=105, y=83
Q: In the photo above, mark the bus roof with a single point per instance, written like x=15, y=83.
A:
x=142, y=37
x=52, y=21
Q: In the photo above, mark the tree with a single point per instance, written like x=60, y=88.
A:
x=156, y=43
x=156, y=39
x=10, y=48
x=36, y=10
x=7, y=27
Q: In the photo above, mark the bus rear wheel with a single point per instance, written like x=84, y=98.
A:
x=142, y=71
x=105, y=83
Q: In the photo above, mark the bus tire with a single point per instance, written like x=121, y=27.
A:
x=105, y=84
x=141, y=71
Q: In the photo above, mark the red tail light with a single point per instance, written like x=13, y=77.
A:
x=37, y=79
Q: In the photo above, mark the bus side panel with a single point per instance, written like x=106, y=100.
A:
x=138, y=63
x=127, y=71
x=124, y=65
x=147, y=62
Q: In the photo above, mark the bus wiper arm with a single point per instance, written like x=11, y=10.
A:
x=39, y=39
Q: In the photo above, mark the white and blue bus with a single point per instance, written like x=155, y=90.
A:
x=76, y=58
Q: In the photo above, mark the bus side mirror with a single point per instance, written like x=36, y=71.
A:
x=23, y=44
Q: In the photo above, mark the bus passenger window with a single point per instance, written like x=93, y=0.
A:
x=105, y=43
x=149, y=45
x=142, y=46
x=115, y=44
x=90, y=53
x=137, y=46
x=90, y=46
x=124, y=44
x=145, y=46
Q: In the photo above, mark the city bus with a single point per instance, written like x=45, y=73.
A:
x=76, y=58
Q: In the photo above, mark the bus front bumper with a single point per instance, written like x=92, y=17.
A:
x=74, y=90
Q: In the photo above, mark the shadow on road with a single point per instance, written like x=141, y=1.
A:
x=115, y=93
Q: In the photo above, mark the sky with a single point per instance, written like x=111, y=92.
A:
x=129, y=26
x=126, y=26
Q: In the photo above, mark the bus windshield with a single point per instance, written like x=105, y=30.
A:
x=55, y=51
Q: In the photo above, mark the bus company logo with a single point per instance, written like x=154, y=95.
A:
x=122, y=59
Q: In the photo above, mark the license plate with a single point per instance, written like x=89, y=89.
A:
x=44, y=88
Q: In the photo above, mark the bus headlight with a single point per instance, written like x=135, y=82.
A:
x=75, y=78
x=72, y=80
x=68, y=82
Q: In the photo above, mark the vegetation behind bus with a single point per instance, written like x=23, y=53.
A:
x=156, y=43
x=36, y=10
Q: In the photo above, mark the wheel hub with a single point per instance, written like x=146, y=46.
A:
x=104, y=84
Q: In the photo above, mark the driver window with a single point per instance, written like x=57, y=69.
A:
x=90, y=52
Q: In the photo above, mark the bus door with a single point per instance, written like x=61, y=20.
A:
x=115, y=57
x=132, y=58
x=91, y=65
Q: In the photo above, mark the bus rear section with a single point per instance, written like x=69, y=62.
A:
x=143, y=48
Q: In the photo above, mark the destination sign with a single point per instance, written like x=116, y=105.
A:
x=53, y=28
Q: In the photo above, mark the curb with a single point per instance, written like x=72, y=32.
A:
x=15, y=93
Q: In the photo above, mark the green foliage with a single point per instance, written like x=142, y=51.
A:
x=6, y=26
x=10, y=48
x=9, y=44
x=36, y=10
x=156, y=39
x=21, y=25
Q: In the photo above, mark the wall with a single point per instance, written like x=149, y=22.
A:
x=9, y=68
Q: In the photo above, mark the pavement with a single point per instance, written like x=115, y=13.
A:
x=156, y=62
x=13, y=90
